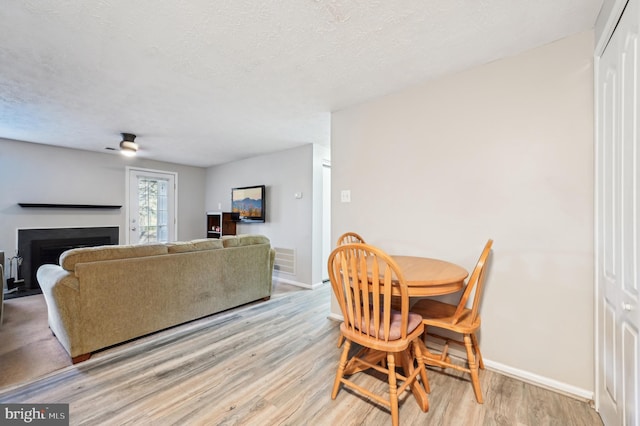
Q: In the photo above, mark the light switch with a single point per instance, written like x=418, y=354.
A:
x=345, y=196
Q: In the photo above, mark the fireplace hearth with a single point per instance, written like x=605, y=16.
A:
x=37, y=247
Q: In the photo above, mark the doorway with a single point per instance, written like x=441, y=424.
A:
x=326, y=218
x=151, y=211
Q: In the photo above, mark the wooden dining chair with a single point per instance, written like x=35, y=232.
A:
x=349, y=238
x=460, y=320
x=362, y=279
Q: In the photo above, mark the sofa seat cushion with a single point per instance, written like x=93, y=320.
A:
x=70, y=258
x=194, y=245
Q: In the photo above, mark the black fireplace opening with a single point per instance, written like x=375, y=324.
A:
x=49, y=251
x=37, y=247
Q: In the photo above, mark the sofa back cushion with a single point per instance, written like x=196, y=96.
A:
x=244, y=240
x=70, y=258
x=194, y=245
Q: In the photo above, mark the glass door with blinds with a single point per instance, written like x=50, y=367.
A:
x=152, y=204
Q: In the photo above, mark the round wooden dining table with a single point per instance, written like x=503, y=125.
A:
x=430, y=277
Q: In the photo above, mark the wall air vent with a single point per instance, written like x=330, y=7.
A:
x=285, y=260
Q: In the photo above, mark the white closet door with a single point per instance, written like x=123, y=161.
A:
x=618, y=226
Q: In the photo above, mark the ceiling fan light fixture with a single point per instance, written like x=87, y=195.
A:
x=128, y=147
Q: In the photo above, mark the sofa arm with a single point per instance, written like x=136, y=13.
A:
x=61, y=292
x=272, y=262
x=50, y=275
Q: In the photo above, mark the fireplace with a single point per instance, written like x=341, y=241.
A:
x=39, y=246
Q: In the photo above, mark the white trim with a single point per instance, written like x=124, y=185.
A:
x=335, y=317
x=538, y=380
x=596, y=220
x=297, y=283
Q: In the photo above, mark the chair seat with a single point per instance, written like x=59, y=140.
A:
x=437, y=313
x=413, y=322
x=396, y=345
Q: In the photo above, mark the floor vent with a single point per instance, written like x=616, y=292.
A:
x=285, y=260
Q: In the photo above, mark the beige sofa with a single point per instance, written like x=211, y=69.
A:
x=101, y=296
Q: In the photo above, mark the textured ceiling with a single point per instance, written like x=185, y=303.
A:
x=205, y=82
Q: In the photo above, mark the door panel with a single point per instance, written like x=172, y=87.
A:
x=610, y=354
x=629, y=173
x=607, y=183
x=630, y=345
x=618, y=235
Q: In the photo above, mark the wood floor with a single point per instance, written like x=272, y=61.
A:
x=270, y=363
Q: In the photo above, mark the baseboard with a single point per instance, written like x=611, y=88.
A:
x=297, y=283
x=544, y=382
x=335, y=317
x=522, y=375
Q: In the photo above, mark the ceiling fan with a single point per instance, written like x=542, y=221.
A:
x=128, y=146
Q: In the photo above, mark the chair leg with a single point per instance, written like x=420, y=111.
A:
x=444, y=353
x=340, y=339
x=445, y=350
x=393, y=389
x=476, y=347
x=473, y=368
x=341, y=367
x=421, y=358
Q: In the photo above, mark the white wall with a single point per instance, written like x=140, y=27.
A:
x=502, y=151
x=289, y=221
x=34, y=173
